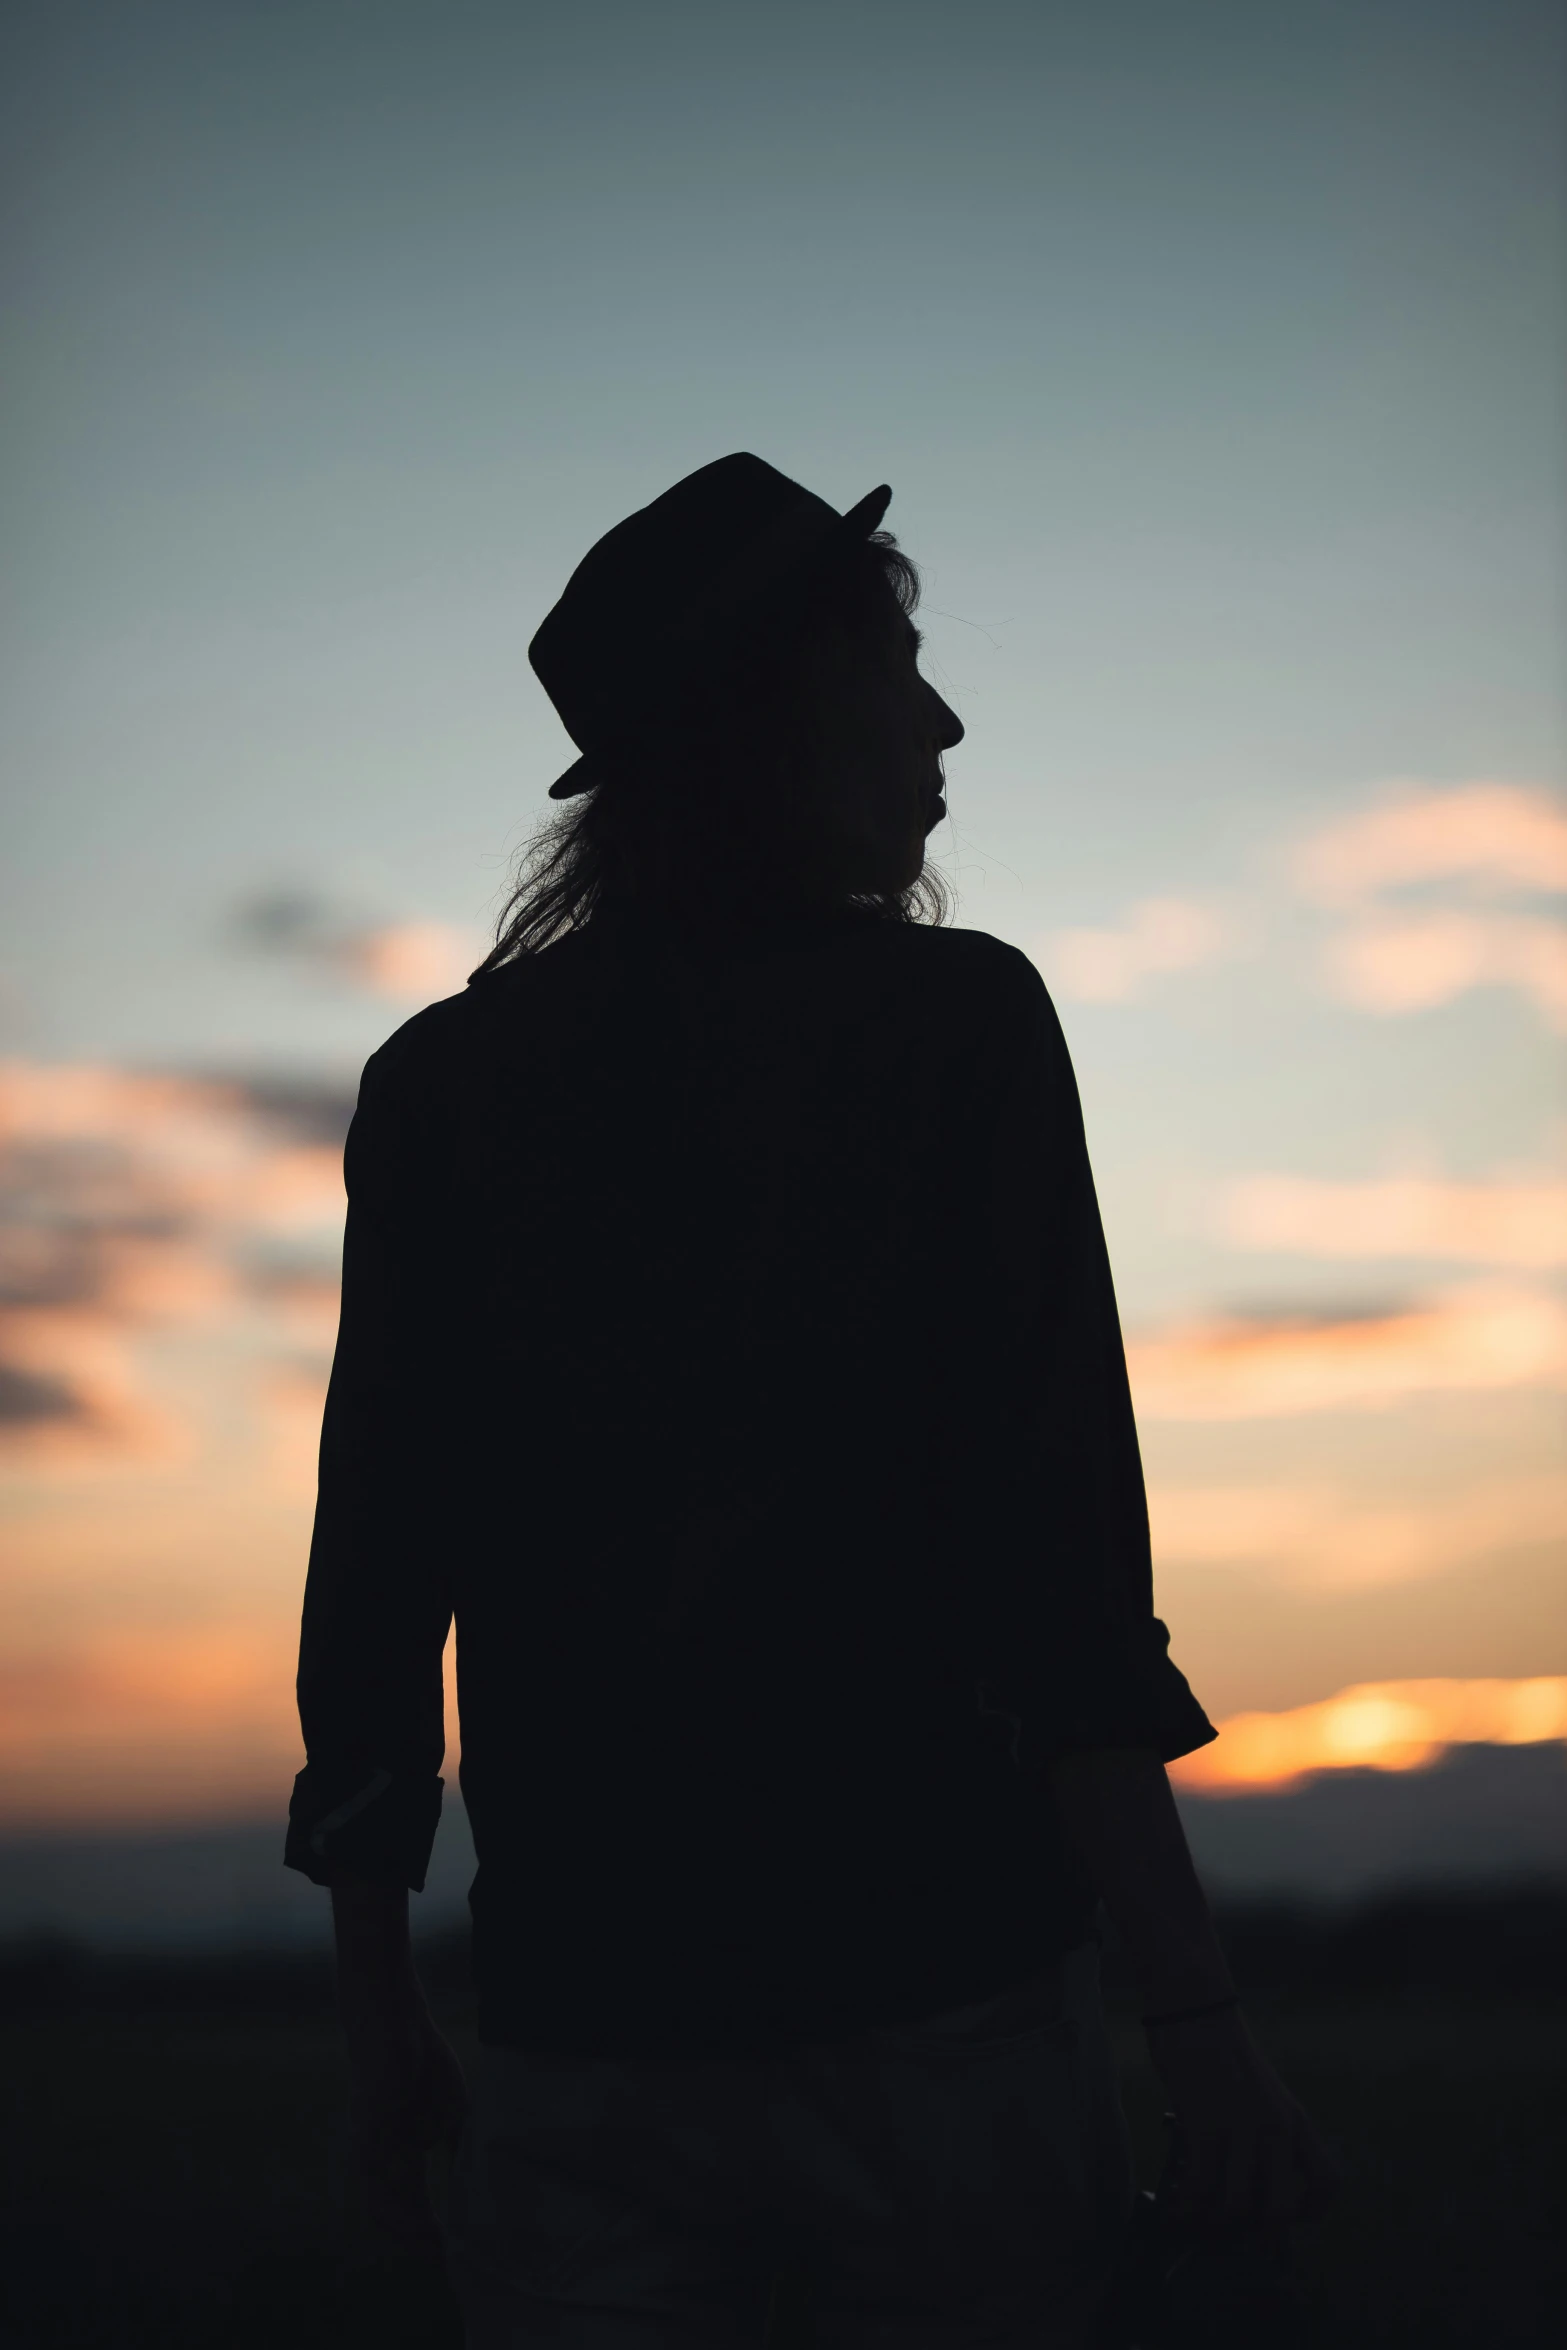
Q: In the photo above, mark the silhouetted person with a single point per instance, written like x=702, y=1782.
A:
x=728, y=1342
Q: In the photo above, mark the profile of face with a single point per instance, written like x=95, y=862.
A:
x=886, y=730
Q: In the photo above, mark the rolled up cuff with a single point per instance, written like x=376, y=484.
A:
x=1129, y=1694
x=374, y=1823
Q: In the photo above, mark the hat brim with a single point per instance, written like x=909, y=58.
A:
x=861, y=519
x=577, y=778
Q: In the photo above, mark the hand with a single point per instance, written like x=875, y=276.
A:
x=407, y=2094
x=1251, y=2158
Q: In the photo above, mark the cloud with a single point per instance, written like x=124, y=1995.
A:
x=28, y=1398
x=1489, y=833
x=1393, y=964
x=1482, y=843
x=411, y=962
x=1497, y=1223
x=406, y=962
x=133, y=1205
x=169, y=1258
x=1268, y=1366
x=1381, y=1725
x=80, y=1394
x=1158, y=936
x=170, y=1674
x=1325, y=1541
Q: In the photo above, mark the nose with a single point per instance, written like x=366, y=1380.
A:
x=949, y=726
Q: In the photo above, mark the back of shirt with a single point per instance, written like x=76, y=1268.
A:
x=728, y=1340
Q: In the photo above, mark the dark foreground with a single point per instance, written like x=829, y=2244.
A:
x=177, y=2173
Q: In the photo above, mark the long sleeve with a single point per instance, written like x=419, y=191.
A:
x=1075, y=1656
x=377, y=1603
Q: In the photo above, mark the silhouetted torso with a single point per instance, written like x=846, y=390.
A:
x=728, y=1339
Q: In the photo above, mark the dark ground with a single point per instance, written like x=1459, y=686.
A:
x=176, y=2170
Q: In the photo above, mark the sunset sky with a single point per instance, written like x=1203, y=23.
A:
x=1214, y=356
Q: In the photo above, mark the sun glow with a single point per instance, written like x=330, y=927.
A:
x=1377, y=1725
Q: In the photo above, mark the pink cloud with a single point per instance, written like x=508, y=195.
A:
x=410, y=962
x=1394, y=964
x=135, y=1205
x=1498, y=1223
x=1485, y=841
x=1157, y=937
x=1493, y=833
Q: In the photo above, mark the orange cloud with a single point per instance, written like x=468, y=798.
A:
x=1519, y=1223
x=1380, y=1725
x=1262, y=1368
x=1327, y=1541
x=181, y=1722
x=142, y=1725
x=1109, y=966
x=1501, y=834
x=292, y=1403
x=193, y=1674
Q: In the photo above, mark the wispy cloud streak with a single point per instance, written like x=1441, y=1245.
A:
x=132, y=1204
x=1265, y=1367
x=1156, y=938
x=1503, y=835
x=1497, y=1223
x=1393, y=964
x=1320, y=1540
x=406, y=962
x=1490, y=844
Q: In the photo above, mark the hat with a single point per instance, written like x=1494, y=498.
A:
x=668, y=592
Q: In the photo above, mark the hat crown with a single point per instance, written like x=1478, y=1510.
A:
x=668, y=575
x=692, y=527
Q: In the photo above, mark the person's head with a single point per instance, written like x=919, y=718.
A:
x=803, y=771
x=875, y=728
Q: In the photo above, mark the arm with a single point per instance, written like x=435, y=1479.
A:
x=377, y=1981
x=1066, y=1627
x=406, y=2086
x=378, y=1602
x=376, y=1614
x=1250, y=2154
x=1119, y=1813
x=1101, y=1705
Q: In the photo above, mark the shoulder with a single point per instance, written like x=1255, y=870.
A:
x=991, y=1002
x=431, y=1055
x=412, y=1088
x=975, y=955
x=417, y=1091
x=418, y=1057
x=996, y=980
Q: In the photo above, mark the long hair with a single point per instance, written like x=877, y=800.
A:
x=727, y=820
